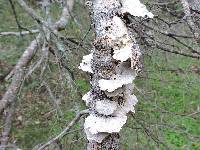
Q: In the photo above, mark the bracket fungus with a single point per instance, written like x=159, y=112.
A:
x=96, y=124
x=135, y=8
x=124, y=75
x=111, y=95
x=86, y=63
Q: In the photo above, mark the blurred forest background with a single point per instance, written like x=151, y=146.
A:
x=167, y=115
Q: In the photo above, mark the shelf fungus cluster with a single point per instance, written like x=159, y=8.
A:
x=113, y=63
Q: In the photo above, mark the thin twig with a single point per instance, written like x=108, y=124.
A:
x=19, y=33
x=64, y=132
x=188, y=16
x=55, y=101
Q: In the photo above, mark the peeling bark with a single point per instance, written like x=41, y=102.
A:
x=113, y=63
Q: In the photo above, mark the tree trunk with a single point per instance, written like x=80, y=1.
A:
x=113, y=65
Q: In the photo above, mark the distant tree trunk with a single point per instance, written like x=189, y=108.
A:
x=113, y=64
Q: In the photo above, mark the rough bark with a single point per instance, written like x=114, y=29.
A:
x=194, y=4
x=103, y=68
x=113, y=63
x=189, y=19
x=27, y=56
x=111, y=142
x=10, y=95
x=7, y=126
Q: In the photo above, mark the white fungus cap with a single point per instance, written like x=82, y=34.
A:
x=125, y=75
x=95, y=137
x=96, y=124
x=128, y=106
x=124, y=53
x=87, y=97
x=106, y=107
x=85, y=65
x=135, y=8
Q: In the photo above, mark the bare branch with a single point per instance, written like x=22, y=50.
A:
x=9, y=146
x=159, y=46
x=10, y=95
x=23, y=62
x=60, y=24
x=32, y=13
x=8, y=124
x=15, y=15
x=27, y=55
x=55, y=101
x=188, y=16
x=19, y=33
x=29, y=52
x=64, y=132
